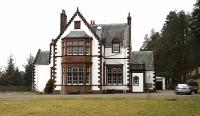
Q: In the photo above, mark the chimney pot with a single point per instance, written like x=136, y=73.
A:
x=63, y=11
x=129, y=19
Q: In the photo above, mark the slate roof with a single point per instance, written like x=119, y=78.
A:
x=42, y=57
x=143, y=57
x=108, y=32
x=77, y=34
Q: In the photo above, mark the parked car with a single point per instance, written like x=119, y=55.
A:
x=193, y=85
x=183, y=88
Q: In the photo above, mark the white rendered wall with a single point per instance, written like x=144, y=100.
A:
x=95, y=66
x=42, y=75
x=58, y=74
x=122, y=54
x=149, y=78
x=163, y=83
x=140, y=87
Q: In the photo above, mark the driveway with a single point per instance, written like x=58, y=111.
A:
x=167, y=94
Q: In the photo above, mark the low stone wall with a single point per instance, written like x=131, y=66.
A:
x=14, y=88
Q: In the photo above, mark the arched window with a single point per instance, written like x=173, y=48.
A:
x=115, y=45
x=135, y=80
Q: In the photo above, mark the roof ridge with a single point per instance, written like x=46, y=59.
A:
x=111, y=24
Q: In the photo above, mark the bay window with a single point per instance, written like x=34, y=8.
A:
x=77, y=75
x=77, y=47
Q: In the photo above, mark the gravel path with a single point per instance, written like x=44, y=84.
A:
x=168, y=94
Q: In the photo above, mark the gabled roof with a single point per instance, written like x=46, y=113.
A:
x=42, y=57
x=85, y=22
x=143, y=57
x=107, y=32
x=77, y=34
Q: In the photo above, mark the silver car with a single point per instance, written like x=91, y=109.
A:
x=183, y=88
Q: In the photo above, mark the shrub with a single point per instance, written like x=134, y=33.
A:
x=49, y=86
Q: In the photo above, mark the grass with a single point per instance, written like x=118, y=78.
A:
x=99, y=106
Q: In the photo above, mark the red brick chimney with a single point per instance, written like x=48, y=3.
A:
x=63, y=20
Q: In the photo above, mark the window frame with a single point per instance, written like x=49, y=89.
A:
x=136, y=81
x=76, y=75
x=116, y=45
x=77, y=47
x=77, y=24
x=113, y=75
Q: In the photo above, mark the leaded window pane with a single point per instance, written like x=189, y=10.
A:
x=114, y=74
x=116, y=47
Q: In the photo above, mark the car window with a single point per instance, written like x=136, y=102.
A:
x=193, y=83
x=183, y=85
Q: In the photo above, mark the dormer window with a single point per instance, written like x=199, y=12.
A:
x=77, y=24
x=115, y=45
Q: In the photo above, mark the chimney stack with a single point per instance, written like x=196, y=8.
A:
x=129, y=19
x=63, y=20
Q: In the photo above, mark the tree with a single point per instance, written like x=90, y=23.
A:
x=170, y=47
x=195, y=28
x=8, y=77
x=28, y=71
x=11, y=76
x=10, y=69
x=18, y=80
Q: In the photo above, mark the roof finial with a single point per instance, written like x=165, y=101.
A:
x=77, y=9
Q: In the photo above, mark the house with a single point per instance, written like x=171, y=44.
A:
x=89, y=58
x=41, y=70
x=160, y=83
x=142, y=71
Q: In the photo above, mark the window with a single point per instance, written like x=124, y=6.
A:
x=115, y=45
x=69, y=75
x=77, y=24
x=77, y=48
x=87, y=75
x=138, y=67
x=88, y=47
x=116, y=48
x=75, y=75
x=63, y=73
x=114, y=74
x=64, y=48
x=136, y=81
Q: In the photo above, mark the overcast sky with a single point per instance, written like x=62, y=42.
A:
x=27, y=25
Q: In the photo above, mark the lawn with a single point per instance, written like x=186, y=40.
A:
x=99, y=107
